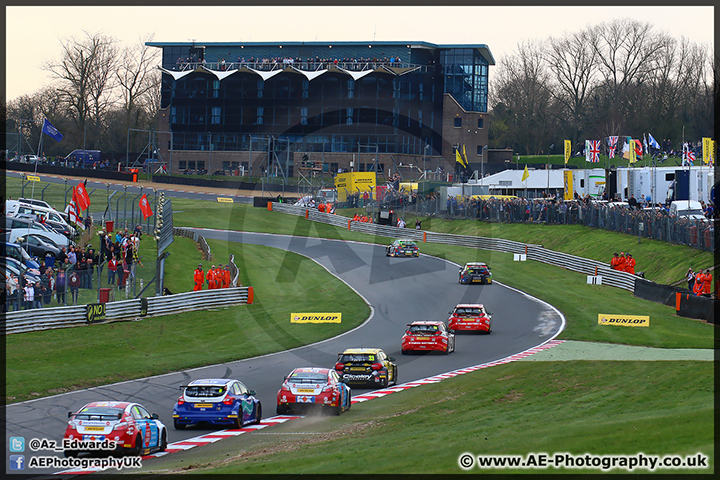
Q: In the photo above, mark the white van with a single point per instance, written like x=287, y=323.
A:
x=687, y=208
x=51, y=215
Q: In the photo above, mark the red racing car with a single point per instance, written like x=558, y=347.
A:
x=309, y=386
x=428, y=336
x=129, y=425
x=470, y=317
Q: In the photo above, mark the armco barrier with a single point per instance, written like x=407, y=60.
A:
x=610, y=277
x=197, y=238
x=688, y=305
x=61, y=317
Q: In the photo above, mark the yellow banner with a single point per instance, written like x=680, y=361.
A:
x=707, y=149
x=624, y=320
x=568, y=150
x=225, y=200
x=349, y=183
x=32, y=178
x=568, y=181
x=315, y=317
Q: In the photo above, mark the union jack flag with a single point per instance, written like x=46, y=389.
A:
x=73, y=213
x=592, y=153
x=612, y=145
x=691, y=155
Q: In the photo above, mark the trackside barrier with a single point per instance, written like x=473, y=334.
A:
x=610, y=277
x=199, y=239
x=61, y=317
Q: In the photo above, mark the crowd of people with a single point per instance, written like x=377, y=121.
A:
x=216, y=277
x=76, y=267
x=355, y=63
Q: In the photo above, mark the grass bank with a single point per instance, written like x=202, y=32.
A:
x=600, y=408
x=55, y=361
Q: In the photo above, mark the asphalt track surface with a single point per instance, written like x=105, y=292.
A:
x=399, y=290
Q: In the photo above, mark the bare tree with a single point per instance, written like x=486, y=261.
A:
x=523, y=98
x=83, y=78
x=573, y=67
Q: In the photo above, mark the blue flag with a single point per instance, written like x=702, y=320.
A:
x=652, y=141
x=50, y=130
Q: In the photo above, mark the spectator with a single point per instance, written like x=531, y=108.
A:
x=112, y=265
x=74, y=284
x=417, y=225
x=60, y=285
x=29, y=296
x=47, y=283
x=13, y=292
x=690, y=277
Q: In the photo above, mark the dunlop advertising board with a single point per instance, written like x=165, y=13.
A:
x=353, y=182
x=315, y=317
x=624, y=320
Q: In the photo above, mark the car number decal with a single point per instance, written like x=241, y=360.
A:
x=203, y=405
x=95, y=429
x=305, y=390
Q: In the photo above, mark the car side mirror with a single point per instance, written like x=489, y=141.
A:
x=252, y=392
x=154, y=416
x=489, y=313
x=70, y=414
x=392, y=359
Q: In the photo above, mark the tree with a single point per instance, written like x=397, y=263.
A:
x=83, y=78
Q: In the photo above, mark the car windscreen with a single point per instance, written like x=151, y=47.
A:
x=205, y=391
x=477, y=271
x=357, y=358
x=307, y=377
x=98, y=413
x=423, y=329
x=467, y=312
x=408, y=244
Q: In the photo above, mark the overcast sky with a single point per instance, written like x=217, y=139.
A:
x=34, y=33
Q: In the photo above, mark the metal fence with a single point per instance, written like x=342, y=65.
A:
x=586, y=266
x=652, y=224
x=61, y=317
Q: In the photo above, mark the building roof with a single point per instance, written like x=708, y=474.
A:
x=482, y=48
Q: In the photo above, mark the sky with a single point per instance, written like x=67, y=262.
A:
x=34, y=33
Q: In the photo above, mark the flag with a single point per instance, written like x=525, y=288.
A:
x=647, y=150
x=145, y=207
x=72, y=212
x=653, y=143
x=592, y=151
x=707, y=150
x=459, y=158
x=612, y=145
x=51, y=131
x=626, y=148
x=82, y=198
x=568, y=150
x=638, y=148
x=525, y=174
x=691, y=156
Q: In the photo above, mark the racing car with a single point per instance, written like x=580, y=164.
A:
x=470, y=317
x=133, y=429
x=428, y=336
x=366, y=366
x=218, y=401
x=402, y=247
x=475, y=272
x=313, y=387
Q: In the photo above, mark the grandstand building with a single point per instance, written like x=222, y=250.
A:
x=281, y=108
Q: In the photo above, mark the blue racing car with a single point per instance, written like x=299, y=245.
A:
x=216, y=401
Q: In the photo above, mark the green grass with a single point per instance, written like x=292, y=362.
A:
x=601, y=408
x=54, y=361
x=662, y=262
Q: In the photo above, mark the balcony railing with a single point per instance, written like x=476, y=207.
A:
x=308, y=66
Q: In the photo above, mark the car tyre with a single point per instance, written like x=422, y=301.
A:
x=395, y=381
x=178, y=426
x=163, y=441
x=385, y=382
x=138, y=449
x=447, y=348
x=258, y=414
x=282, y=410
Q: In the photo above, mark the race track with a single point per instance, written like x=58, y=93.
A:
x=399, y=290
